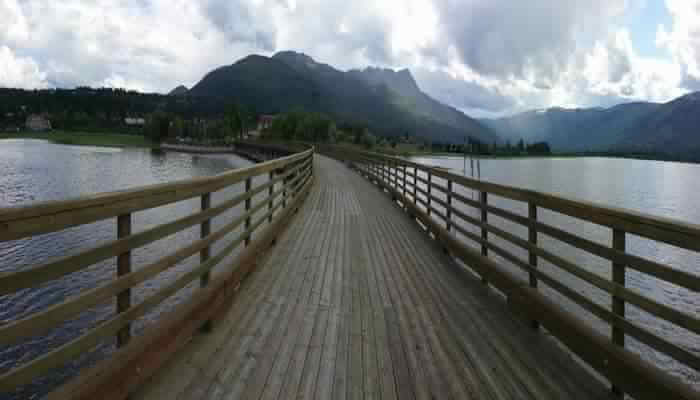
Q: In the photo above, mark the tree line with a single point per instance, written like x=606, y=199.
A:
x=474, y=146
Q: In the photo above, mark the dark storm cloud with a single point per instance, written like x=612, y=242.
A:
x=239, y=23
x=503, y=38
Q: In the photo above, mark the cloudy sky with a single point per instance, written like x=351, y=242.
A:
x=485, y=57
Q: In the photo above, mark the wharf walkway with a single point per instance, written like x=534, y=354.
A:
x=355, y=301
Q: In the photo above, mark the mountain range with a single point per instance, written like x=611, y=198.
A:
x=670, y=128
x=388, y=102
x=180, y=90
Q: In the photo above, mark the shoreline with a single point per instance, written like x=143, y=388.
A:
x=554, y=156
x=84, y=139
x=186, y=148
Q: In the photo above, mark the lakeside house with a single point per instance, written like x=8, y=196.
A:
x=133, y=121
x=38, y=123
x=265, y=121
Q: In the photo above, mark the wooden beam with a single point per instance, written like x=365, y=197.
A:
x=532, y=237
x=204, y=231
x=116, y=378
x=123, y=268
x=248, y=187
x=618, y=304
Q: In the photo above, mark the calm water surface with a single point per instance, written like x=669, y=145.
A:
x=33, y=171
x=660, y=188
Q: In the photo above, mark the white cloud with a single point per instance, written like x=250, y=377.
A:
x=613, y=68
x=683, y=39
x=19, y=71
x=483, y=56
x=505, y=39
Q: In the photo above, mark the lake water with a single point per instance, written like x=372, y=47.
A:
x=659, y=188
x=33, y=171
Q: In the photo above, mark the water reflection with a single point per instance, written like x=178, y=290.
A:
x=660, y=188
x=33, y=171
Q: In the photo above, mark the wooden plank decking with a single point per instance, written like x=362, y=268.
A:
x=355, y=302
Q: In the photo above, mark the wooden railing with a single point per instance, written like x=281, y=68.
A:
x=288, y=180
x=414, y=186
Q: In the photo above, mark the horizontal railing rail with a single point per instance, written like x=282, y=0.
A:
x=284, y=182
x=414, y=186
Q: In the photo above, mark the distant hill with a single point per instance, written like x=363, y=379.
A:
x=672, y=127
x=180, y=90
x=584, y=129
x=265, y=84
x=408, y=97
x=390, y=104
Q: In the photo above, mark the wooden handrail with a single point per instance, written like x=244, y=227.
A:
x=667, y=230
x=621, y=222
x=282, y=191
x=24, y=221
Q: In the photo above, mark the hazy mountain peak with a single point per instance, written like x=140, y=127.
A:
x=180, y=90
x=401, y=81
x=690, y=97
x=251, y=58
x=291, y=54
x=296, y=59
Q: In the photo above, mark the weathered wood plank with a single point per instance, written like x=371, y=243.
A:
x=116, y=379
x=421, y=326
x=56, y=314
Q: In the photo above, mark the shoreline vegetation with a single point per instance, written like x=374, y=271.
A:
x=101, y=139
x=407, y=151
x=85, y=138
x=632, y=156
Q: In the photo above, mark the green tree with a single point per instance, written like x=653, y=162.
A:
x=158, y=126
x=237, y=119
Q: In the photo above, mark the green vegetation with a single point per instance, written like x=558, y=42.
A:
x=318, y=128
x=238, y=119
x=84, y=138
x=302, y=126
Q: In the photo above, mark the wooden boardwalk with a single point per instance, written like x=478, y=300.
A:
x=355, y=302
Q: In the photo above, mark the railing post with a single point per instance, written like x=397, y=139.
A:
x=248, y=201
x=532, y=237
x=392, y=177
x=270, y=191
x=430, y=187
x=205, y=230
x=483, y=197
x=375, y=171
x=403, y=171
x=448, y=212
x=385, y=171
x=123, y=268
x=618, y=304
x=415, y=186
x=284, y=188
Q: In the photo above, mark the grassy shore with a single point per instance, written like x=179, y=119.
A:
x=84, y=138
